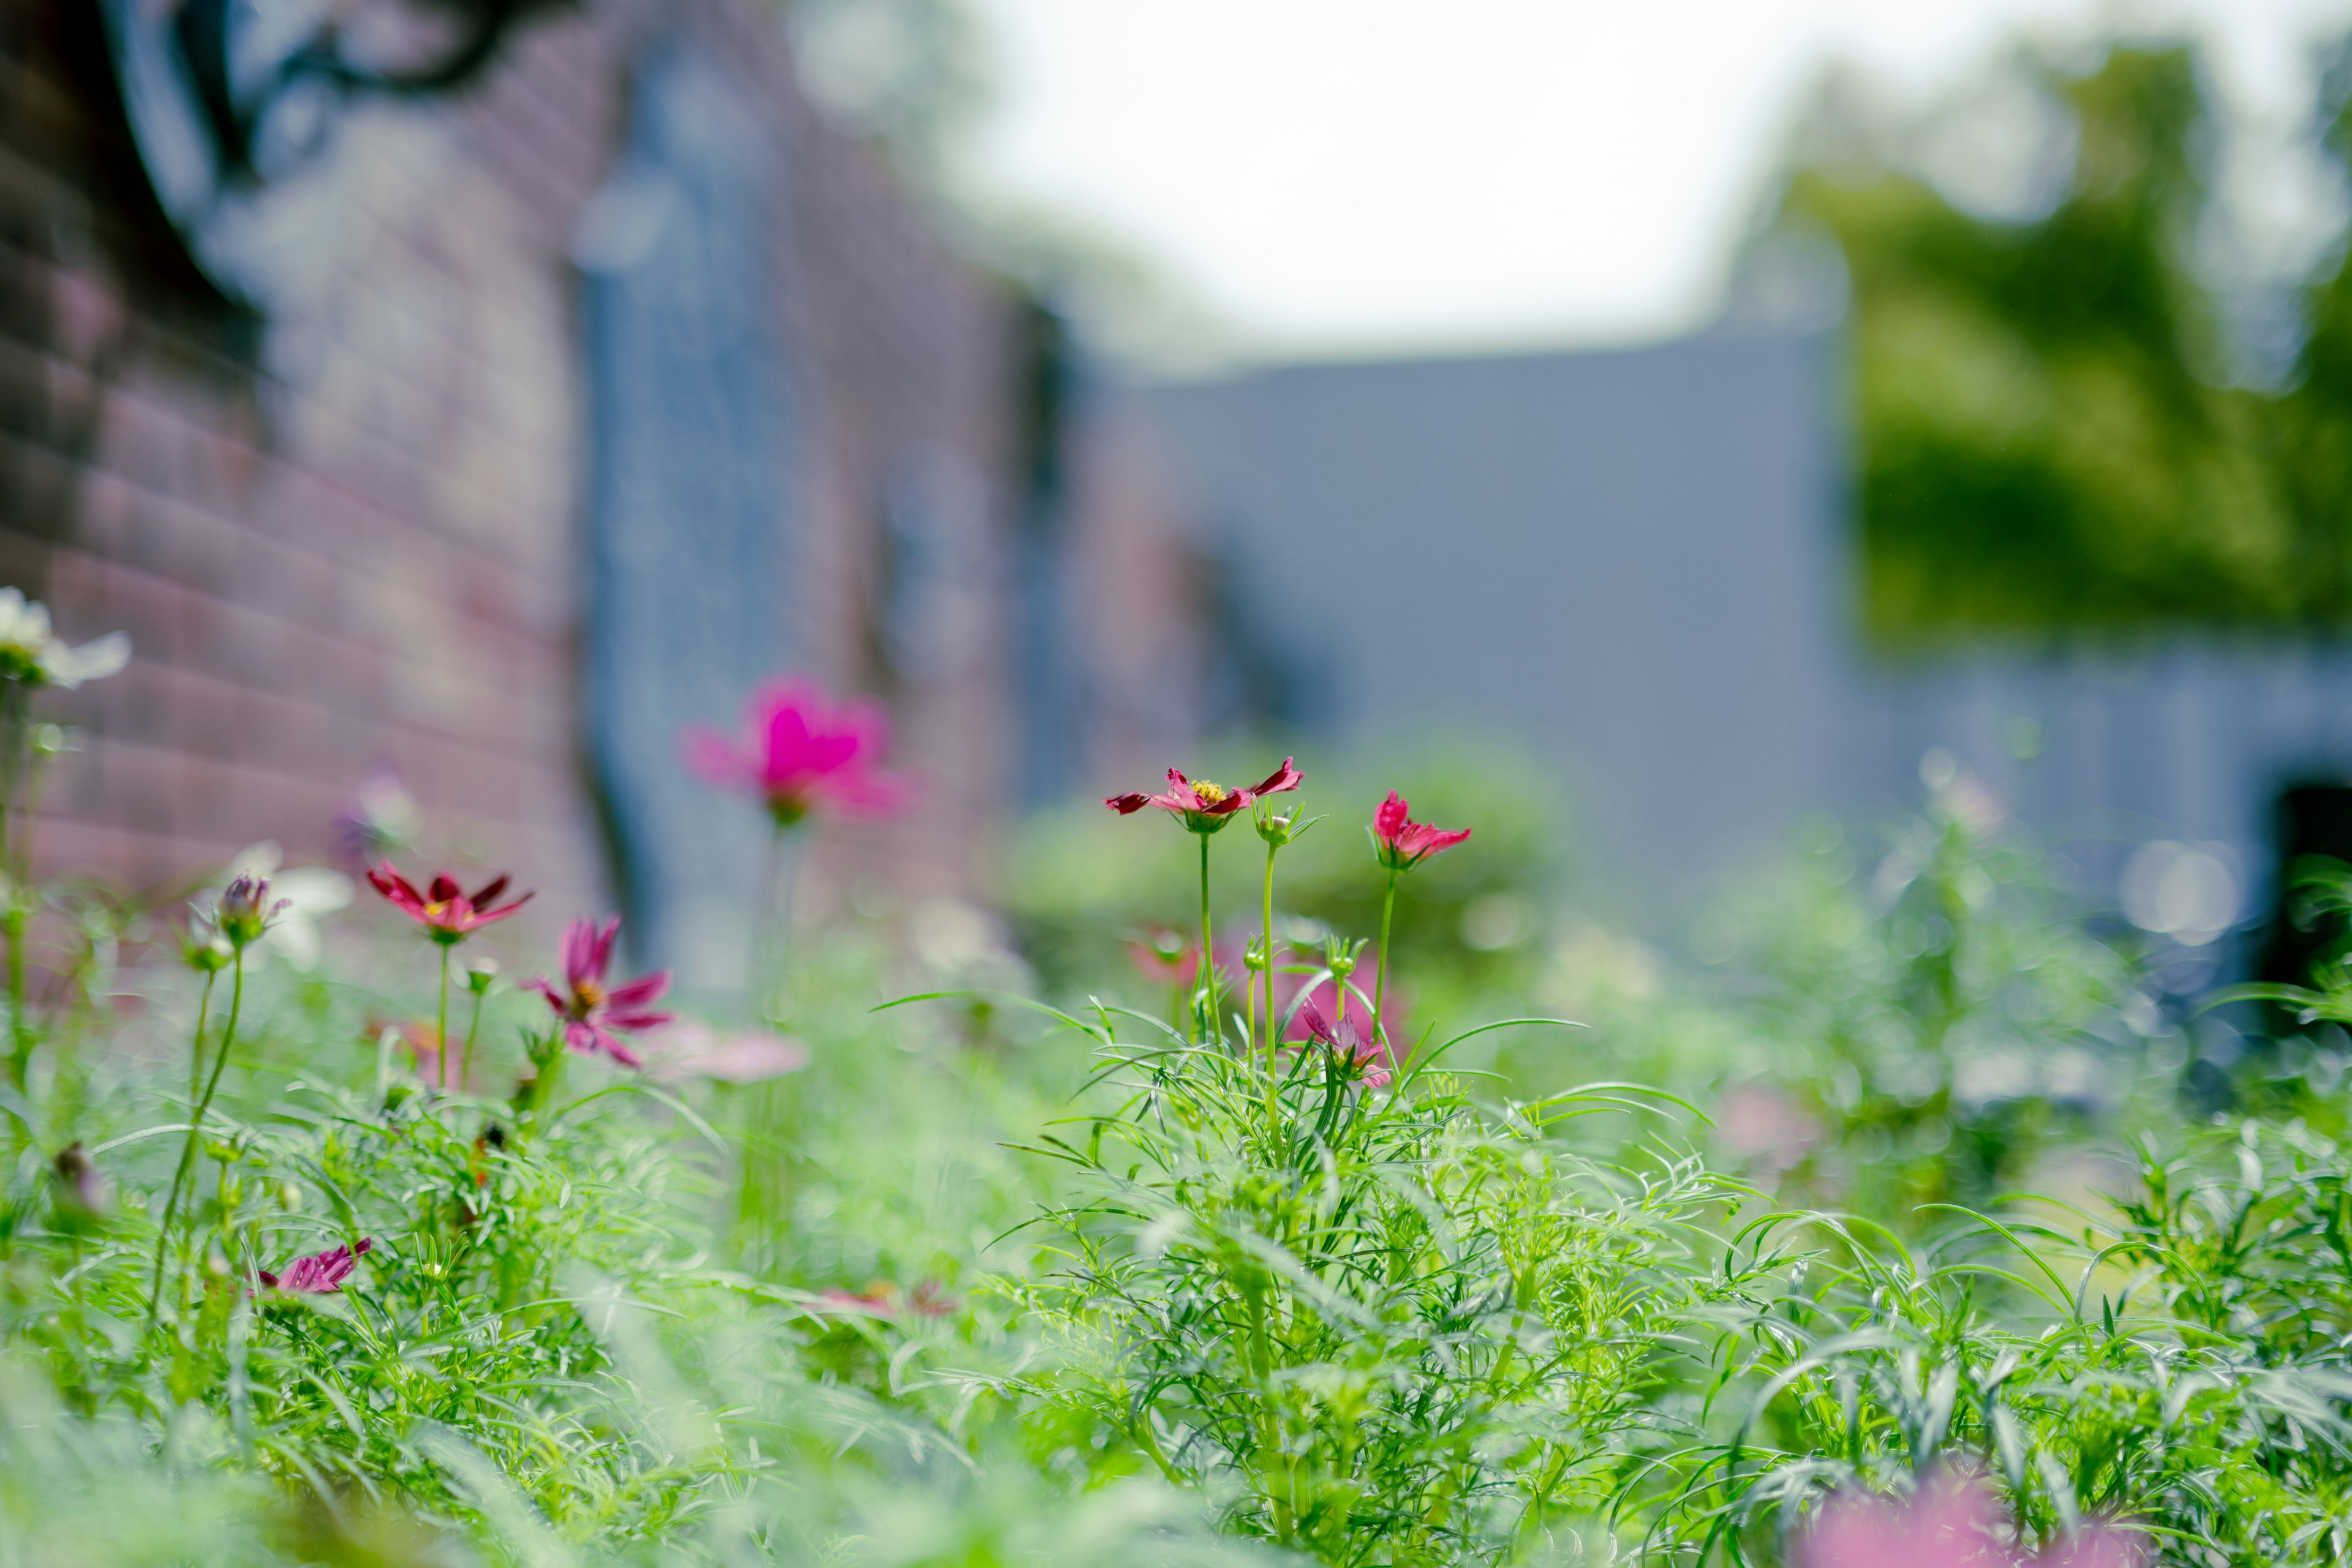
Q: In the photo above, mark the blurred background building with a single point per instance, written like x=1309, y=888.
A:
x=485, y=392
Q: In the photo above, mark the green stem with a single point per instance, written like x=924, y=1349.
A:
x=195, y=1126
x=1208, y=966
x=15, y=835
x=20, y=1029
x=1272, y=1056
x=1380, y=985
x=441, y=1025
x=473, y=1027
x=197, y=1050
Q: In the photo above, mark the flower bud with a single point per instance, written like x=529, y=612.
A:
x=245, y=910
x=208, y=954
x=481, y=975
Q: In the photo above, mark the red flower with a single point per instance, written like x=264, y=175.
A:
x=595, y=1017
x=1343, y=1038
x=797, y=752
x=1204, y=807
x=1402, y=843
x=449, y=914
x=321, y=1273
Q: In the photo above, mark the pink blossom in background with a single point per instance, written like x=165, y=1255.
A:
x=594, y=1016
x=883, y=1299
x=1954, y=1522
x=1402, y=843
x=321, y=1273
x=1165, y=958
x=799, y=751
x=691, y=1048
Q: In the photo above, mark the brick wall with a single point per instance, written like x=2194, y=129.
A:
x=348, y=535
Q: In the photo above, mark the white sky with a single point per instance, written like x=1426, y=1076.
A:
x=1333, y=175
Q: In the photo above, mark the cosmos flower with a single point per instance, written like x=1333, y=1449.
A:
x=1344, y=1040
x=1165, y=958
x=307, y=895
x=32, y=652
x=1402, y=843
x=1352, y=1010
x=595, y=1017
x=884, y=1298
x=1953, y=1522
x=800, y=753
x=244, y=910
x=447, y=914
x=321, y=1273
x=1204, y=807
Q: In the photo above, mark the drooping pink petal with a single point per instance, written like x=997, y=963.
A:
x=1282, y=779
x=321, y=1274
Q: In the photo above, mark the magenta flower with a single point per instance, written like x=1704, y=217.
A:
x=1953, y=1522
x=1355, y=1047
x=321, y=1273
x=799, y=753
x=1402, y=843
x=1206, y=807
x=448, y=913
x=595, y=1016
x=1347, y=1007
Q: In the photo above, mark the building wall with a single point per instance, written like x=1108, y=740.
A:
x=1637, y=564
x=349, y=534
x=1617, y=560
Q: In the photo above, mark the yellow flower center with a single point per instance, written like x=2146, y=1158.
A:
x=1211, y=792
x=587, y=996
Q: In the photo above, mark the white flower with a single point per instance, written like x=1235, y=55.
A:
x=309, y=893
x=31, y=650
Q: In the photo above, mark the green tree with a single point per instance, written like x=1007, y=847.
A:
x=2049, y=433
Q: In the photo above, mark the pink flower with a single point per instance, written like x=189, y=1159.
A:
x=1206, y=806
x=1353, y=1010
x=1953, y=1522
x=693, y=1050
x=1402, y=843
x=595, y=1017
x=321, y=1273
x=797, y=752
x=448, y=913
x=882, y=1299
x=1359, y=1049
x=1165, y=958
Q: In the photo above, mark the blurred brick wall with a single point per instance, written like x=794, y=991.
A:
x=349, y=535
